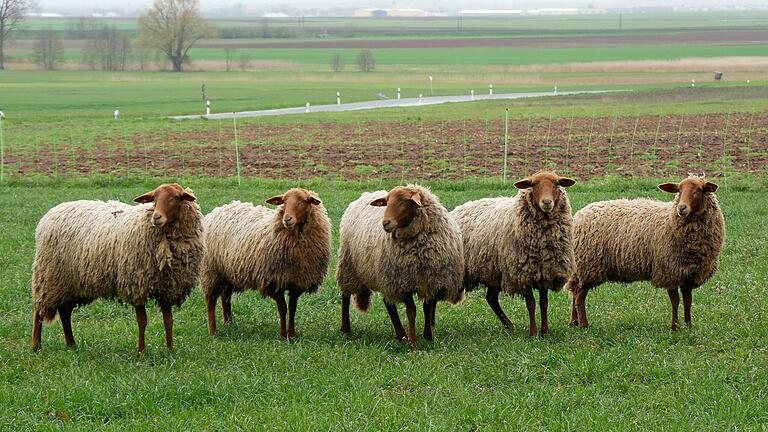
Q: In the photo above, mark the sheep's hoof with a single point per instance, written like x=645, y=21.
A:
x=573, y=323
x=544, y=331
x=346, y=329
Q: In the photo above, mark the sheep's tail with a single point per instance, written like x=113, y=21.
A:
x=363, y=300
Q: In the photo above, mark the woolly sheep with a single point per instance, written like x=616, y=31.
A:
x=92, y=249
x=399, y=243
x=671, y=244
x=270, y=251
x=517, y=244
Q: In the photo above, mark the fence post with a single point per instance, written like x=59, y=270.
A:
x=506, y=143
x=237, y=150
x=2, y=150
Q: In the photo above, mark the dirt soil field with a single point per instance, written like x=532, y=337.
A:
x=411, y=150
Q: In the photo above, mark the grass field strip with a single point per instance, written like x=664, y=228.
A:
x=386, y=103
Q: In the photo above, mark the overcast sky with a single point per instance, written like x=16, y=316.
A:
x=131, y=7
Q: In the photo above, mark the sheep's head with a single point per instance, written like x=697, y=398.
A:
x=693, y=191
x=168, y=199
x=403, y=205
x=297, y=204
x=544, y=188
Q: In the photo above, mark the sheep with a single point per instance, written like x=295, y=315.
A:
x=518, y=244
x=671, y=244
x=270, y=251
x=410, y=246
x=92, y=249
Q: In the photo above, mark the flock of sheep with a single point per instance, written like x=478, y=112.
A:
x=398, y=243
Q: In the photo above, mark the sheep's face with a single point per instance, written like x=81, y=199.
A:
x=168, y=200
x=544, y=188
x=693, y=192
x=403, y=205
x=297, y=204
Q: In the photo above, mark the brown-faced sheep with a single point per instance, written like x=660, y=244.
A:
x=671, y=244
x=399, y=243
x=518, y=244
x=92, y=249
x=270, y=251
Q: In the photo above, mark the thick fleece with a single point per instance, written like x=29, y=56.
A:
x=425, y=258
x=509, y=243
x=93, y=249
x=248, y=248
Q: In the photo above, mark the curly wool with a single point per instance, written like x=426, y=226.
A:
x=249, y=248
x=642, y=239
x=93, y=249
x=425, y=258
x=509, y=243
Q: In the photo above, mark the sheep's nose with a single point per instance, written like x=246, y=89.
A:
x=157, y=219
x=547, y=202
x=388, y=225
x=288, y=218
x=682, y=209
x=288, y=221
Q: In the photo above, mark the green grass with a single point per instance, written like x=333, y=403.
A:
x=627, y=369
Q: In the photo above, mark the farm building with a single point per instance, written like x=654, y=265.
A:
x=382, y=13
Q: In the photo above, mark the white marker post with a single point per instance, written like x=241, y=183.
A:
x=747, y=81
x=207, y=107
x=490, y=89
x=306, y=110
x=555, y=89
x=117, y=114
x=693, y=83
x=398, y=93
x=419, y=97
x=338, y=98
x=472, y=94
x=431, y=93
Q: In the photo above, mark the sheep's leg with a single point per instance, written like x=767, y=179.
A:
x=410, y=311
x=429, y=313
x=674, y=298
x=65, y=316
x=293, y=300
x=543, y=304
x=345, y=300
x=226, y=305
x=395, y=318
x=492, y=297
x=581, y=308
x=279, y=297
x=574, y=314
x=210, y=304
x=687, y=298
x=141, y=320
x=530, y=303
x=432, y=318
x=168, y=323
x=37, y=329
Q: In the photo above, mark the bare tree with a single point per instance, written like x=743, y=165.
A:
x=365, y=61
x=47, y=50
x=173, y=27
x=11, y=14
x=245, y=61
x=337, y=62
x=107, y=48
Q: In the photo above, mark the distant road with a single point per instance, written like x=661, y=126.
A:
x=387, y=103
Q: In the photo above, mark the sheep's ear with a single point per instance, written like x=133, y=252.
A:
x=523, y=184
x=710, y=187
x=381, y=202
x=566, y=182
x=313, y=200
x=416, y=197
x=186, y=196
x=669, y=187
x=147, y=197
x=276, y=200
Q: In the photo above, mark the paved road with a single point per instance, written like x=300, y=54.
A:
x=387, y=103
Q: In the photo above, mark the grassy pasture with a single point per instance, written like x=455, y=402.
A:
x=628, y=368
